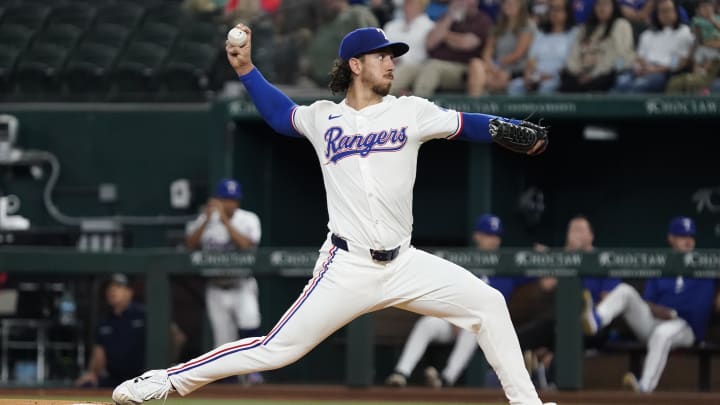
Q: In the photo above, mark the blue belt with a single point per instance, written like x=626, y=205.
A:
x=377, y=255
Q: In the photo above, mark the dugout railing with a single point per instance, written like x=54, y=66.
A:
x=158, y=265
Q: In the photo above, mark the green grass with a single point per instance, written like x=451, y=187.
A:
x=207, y=401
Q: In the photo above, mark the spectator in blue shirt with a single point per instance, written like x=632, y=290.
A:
x=672, y=312
x=119, y=350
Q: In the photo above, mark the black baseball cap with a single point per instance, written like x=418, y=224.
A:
x=366, y=40
x=119, y=279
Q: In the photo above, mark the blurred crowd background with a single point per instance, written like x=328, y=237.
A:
x=173, y=50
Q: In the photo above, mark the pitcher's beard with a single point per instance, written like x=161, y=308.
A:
x=382, y=90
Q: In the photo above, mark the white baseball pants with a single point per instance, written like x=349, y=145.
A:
x=660, y=335
x=429, y=329
x=346, y=285
x=232, y=309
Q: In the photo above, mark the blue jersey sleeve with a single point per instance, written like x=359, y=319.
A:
x=273, y=105
x=476, y=126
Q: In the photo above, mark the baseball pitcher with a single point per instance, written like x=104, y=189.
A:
x=367, y=146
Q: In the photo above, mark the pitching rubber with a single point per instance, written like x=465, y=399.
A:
x=17, y=401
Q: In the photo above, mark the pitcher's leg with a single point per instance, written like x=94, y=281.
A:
x=331, y=299
x=427, y=329
x=666, y=336
x=465, y=347
x=625, y=300
x=430, y=285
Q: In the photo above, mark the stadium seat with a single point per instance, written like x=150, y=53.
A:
x=9, y=3
x=38, y=68
x=135, y=73
x=157, y=33
x=63, y=35
x=108, y=34
x=79, y=15
x=187, y=70
x=88, y=68
x=204, y=32
x=16, y=36
x=126, y=15
x=30, y=15
x=8, y=59
x=168, y=13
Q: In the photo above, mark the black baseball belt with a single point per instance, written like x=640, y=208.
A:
x=377, y=255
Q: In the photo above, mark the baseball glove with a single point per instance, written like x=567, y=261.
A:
x=521, y=137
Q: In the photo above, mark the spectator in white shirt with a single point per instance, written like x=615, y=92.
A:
x=664, y=49
x=412, y=28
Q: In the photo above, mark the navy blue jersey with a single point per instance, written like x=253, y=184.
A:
x=692, y=298
x=599, y=285
x=123, y=338
x=506, y=285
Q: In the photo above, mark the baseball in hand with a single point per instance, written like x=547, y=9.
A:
x=237, y=37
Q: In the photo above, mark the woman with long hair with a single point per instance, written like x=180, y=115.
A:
x=603, y=46
x=664, y=49
x=505, y=52
x=548, y=52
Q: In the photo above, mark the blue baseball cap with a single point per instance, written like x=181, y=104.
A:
x=366, y=40
x=489, y=224
x=229, y=189
x=682, y=226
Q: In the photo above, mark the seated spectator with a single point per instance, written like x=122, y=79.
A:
x=638, y=12
x=119, y=350
x=506, y=50
x=491, y=8
x=706, y=26
x=602, y=45
x=323, y=49
x=383, y=10
x=582, y=9
x=437, y=8
x=456, y=38
x=702, y=80
x=548, y=52
x=412, y=28
x=664, y=49
x=295, y=25
x=539, y=11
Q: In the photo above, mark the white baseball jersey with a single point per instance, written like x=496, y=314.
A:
x=216, y=237
x=370, y=199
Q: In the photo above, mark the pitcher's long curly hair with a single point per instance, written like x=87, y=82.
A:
x=340, y=77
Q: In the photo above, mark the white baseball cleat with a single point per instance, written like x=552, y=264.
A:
x=432, y=378
x=550, y=403
x=396, y=380
x=153, y=384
